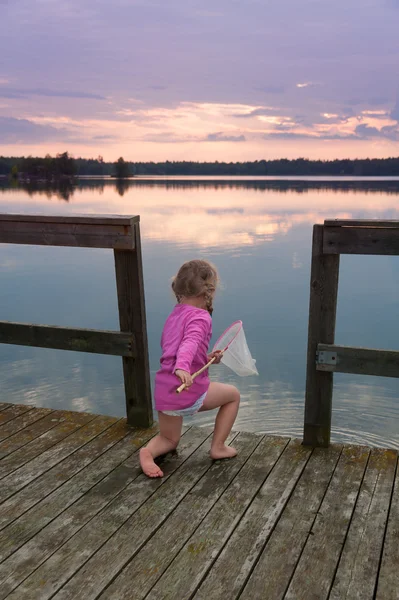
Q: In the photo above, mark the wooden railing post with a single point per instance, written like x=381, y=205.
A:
x=132, y=317
x=322, y=317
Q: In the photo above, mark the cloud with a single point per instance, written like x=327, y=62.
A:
x=9, y=92
x=168, y=137
x=104, y=137
x=221, y=137
x=16, y=131
x=257, y=112
x=59, y=67
x=366, y=132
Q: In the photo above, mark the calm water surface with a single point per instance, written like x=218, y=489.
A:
x=259, y=234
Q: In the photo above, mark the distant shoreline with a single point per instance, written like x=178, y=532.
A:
x=301, y=167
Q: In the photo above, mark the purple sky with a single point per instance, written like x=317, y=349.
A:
x=186, y=79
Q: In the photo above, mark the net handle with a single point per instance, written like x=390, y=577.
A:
x=194, y=375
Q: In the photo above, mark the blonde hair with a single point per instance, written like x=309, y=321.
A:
x=196, y=278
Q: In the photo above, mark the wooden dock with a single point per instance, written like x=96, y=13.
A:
x=79, y=521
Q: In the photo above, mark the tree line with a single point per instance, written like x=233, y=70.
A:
x=63, y=165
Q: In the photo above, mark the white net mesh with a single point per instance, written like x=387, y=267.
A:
x=236, y=352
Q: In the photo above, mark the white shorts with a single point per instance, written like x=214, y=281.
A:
x=187, y=412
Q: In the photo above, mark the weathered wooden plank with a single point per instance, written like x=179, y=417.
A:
x=274, y=569
x=124, y=518
x=46, y=420
x=79, y=232
x=146, y=568
x=4, y=405
x=358, y=567
x=361, y=240
x=361, y=223
x=388, y=578
x=231, y=570
x=72, y=219
x=49, y=481
x=78, y=229
x=132, y=317
x=365, y=361
x=13, y=411
x=37, y=446
x=12, y=427
x=108, y=476
x=322, y=315
x=316, y=568
x=122, y=242
x=202, y=548
x=52, y=456
x=114, y=343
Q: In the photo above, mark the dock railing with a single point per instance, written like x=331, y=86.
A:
x=324, y=358
x=122, y=235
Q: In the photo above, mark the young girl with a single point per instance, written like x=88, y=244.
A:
x=184, y=343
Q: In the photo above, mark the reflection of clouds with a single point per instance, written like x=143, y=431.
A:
x=296, y=262
x=7, y=264
x=221, y=218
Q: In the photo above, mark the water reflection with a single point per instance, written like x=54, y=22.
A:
x=259, y=235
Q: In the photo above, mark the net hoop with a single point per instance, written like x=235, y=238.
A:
x=225, y=332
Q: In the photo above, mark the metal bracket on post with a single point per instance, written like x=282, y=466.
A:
x=324, y=357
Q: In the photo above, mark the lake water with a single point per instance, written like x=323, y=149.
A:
x=258, y=232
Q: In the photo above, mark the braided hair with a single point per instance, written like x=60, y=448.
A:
x=196, y=278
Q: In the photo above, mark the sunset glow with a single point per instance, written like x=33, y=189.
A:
x=180, y=80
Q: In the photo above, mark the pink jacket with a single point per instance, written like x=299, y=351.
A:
x=185, y=341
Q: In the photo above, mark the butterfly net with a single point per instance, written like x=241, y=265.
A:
x=236, y=354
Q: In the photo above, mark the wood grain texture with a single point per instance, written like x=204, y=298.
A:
x=281, y=520
x=72, y=219
x=202, y=548
x=359, y=564
x=361, y=240
x=44, y=485
x=146, y=568
x=12, y=427
x=364, y=361
x=60, y=515
x=372, y=223
x=13, y=411
x=35, y=449
x=46, y=420
x=388, y=580
x=114, y=343
x=277, y=562
x=73, y=436
x=319, y=559
x=237, y=559
x=82, y=232
x=132, y=516
x=132, y=317
x=322, y=316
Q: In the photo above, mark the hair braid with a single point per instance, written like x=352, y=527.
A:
x=196, y=278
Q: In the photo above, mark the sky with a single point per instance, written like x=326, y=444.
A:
x=230, y=80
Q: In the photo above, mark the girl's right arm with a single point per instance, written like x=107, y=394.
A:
x=195, y=332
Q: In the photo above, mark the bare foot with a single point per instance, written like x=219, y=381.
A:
x=148, y=465
x=223, y=452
